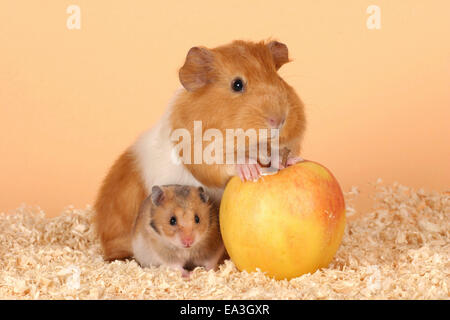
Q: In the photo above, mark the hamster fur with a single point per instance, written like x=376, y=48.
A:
x=266, y=101
x=177, y=227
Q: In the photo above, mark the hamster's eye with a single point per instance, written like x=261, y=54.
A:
x=237, y=85
x=197, y=219
x=173, y=221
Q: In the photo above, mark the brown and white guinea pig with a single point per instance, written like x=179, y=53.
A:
x=229, y=87
x=177, y=227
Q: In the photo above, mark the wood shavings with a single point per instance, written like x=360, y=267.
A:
x=399, y=250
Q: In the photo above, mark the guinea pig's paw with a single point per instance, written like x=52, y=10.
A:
x=277, y=166
x=248, y=172
x=293, y=160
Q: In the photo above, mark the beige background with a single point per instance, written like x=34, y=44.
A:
x=377, y=101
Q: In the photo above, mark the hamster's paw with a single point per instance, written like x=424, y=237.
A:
x=293, y=160
x=186, y=274
x=248, y=172
x=211, y=265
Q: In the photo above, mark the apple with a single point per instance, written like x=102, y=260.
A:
x=286, y=224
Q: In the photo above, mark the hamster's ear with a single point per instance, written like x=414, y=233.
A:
x=202, y=194
x=197, y=69
x=279, y=52
x=157, y=195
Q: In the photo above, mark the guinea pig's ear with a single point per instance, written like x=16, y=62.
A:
x=279, y=52
x=203, y=196
x=157, y=195
x=197, y=69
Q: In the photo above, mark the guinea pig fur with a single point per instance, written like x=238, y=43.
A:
x=228, y=87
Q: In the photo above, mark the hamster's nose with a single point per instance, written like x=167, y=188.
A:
x=276, y=122
x=187, y=241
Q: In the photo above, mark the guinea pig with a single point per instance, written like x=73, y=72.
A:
x=177, y=227
x=234, y=86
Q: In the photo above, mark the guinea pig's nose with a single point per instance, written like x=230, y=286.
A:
x=276, y=122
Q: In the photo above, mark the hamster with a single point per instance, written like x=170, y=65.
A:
x=227, y=87
x=177, y=227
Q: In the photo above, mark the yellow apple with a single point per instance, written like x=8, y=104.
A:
x=285, y=224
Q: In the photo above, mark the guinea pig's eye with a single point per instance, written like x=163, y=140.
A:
x=197, y=219
x=237, y=85
x=173, y=221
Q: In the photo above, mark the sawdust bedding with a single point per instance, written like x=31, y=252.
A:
x=398, y=250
